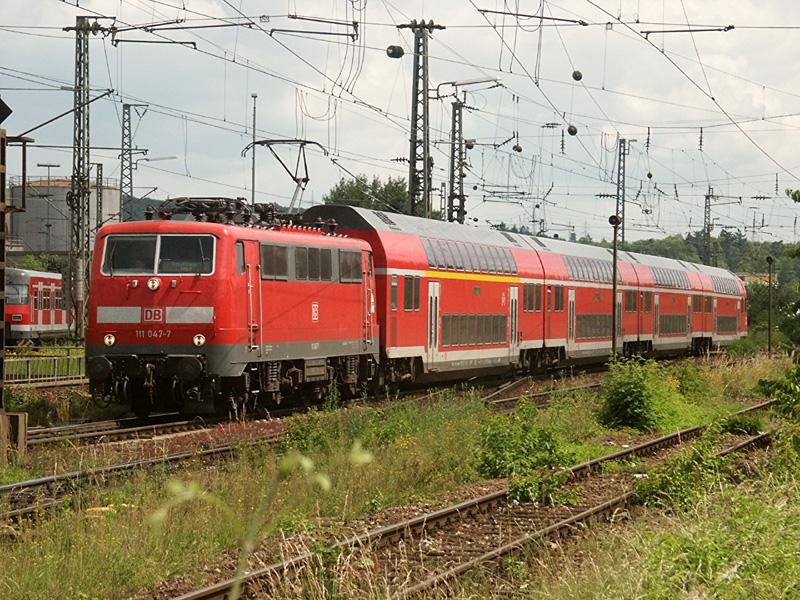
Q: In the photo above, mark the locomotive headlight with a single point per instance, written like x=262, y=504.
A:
x=153, y=284
x=199, y=340
x=109, y=339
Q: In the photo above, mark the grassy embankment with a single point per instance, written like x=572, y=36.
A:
x=419, y=453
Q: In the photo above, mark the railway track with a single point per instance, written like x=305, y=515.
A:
x=29, y=498
x=425, y=551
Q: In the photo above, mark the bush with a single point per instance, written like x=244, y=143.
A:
x=515, y=444
x=637, y=394
x=786, y=392
x=692, y=385
x=747, y=424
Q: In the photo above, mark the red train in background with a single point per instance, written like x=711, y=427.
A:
x=236, y=308
x=34, y=307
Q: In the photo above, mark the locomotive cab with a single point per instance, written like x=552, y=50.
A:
x=152, y=314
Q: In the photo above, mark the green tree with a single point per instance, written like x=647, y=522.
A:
x=377, y=195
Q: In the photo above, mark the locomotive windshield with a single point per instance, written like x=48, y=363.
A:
x=163, y=255
x=17, y=294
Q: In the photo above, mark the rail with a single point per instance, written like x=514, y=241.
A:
x=45, y=367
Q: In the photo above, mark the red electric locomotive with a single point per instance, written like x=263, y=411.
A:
x=34, y=307
x=207, y=315
x=455, y=300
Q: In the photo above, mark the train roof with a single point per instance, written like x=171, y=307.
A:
x=280, y=234
x=356, y=218
x=26, y=274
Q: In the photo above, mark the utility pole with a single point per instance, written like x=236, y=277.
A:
x=708, y=223
x=615, y=222
x=126, y=161
x=770, y=260
x=622, y=152
x=78, y=196
x=457, y=162
x=419, y=159
x=253, y=168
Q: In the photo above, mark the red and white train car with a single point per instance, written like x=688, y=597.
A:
x=199, y=316
x=454, y=299
x=34, y=306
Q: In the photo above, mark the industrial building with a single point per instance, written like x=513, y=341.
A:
x=42, y=225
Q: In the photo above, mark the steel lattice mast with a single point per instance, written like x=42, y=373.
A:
x=420, y=162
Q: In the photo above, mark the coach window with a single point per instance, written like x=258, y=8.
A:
x=648, y=301
x=630, y=300
x=484, y=264
x=417, y=282
x=494, y=265
x=408, y=293
x=426, y=243
x=463, y=333
x=459, y=261
x=439, y=254
x=394, y=292
x=448, y=255
x=445, y=330
x=537, y=297
x=313, y=264
x=473, y=257
x=709, y=304
x=240, y=257
x=559, y=300
x=300, y=263
x=697, y=303
x=350, y=266
x=274, y=262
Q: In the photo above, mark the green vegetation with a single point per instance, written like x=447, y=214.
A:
x=733, y=540
x=106, y=543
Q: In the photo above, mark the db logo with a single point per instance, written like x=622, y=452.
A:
x=153, y=315
x=315, y=312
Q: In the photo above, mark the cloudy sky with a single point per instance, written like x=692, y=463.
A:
x=315, y=82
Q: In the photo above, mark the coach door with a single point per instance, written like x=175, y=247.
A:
x=620, y=341
x=714, y=317
x=433, y=323
x=689, y=316
x=571, y=319
x=656, y=320
x=513, y=321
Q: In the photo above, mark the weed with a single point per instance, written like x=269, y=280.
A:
x=748, y=424
x=540, y=485
x=786, y=392
x=682, y=479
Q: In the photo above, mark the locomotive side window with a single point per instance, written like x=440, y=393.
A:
x=301, y=263
x=394, y=292
x=326, y=264
x=274, y=262
x=240, y=257
x=350, y=266
x=184, y=254
x=130, y=254
x=313, y=264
